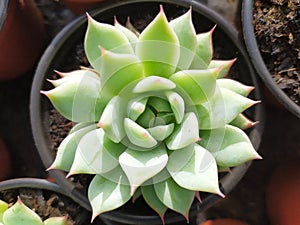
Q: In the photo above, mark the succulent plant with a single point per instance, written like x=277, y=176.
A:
x=19, y=213
x=154, y=116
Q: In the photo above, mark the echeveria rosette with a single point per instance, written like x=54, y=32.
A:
x=155, y=115
x=19, y=213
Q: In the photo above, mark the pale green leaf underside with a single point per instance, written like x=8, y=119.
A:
x=194, y=168
x=92, y=156
x=112, y=119
x=235, y=86
x=67, y=148
x=177, y=105
x=153, y=83
x=110, y=196
x=222, y=108
x=138, y=135
x=228, y=141
x=185, y=133
x=141, y=166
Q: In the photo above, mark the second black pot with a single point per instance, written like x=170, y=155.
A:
x=258, y=62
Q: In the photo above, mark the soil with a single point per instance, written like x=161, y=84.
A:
x=47, y=204
x=246, y=202
x=277, y=29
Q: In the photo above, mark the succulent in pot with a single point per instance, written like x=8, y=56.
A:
x=155, y=115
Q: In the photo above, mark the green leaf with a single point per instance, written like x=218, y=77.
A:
x=78, y=126
x=186, y=34
x=136, y=107
x=95, y=155
x=229, y=145
x=177, y=105
x=141, y=166
x=161, y=132
x=74, y=75
x=106, y=36
x=194, y=168
x=242, y=122
x=147, y=118
x=174, y=197
x=223, y=66
x=117, y=71
x=138, y=135
x=222, y=108
x=185, y=133
x=21, y=214
x=198, y=84
x=77, y=100
x=153, y=83
x=158, y=47
x=56, y=221
x=159, y=104
x=67, y=148
x=131, y=36
x=3, y=208
x=112, y=119
x=106, y=195
x=153, y=201
x=235, y=86
x=204, y=51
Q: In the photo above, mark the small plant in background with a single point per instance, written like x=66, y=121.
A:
x=19, y=213
x=155, y=115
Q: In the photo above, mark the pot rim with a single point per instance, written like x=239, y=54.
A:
x=35, y=183
x=229, y=180
x=258, y=62
x=3, y=12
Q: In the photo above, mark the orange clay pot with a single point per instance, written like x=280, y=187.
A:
x=81, y=6
x=224, y=222
x=282, y=194
x=5, y=161
x=22, y=37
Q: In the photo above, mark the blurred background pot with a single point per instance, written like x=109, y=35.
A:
x=60, y=56
x=22, y=37
x=258, y=61
x=81, y=6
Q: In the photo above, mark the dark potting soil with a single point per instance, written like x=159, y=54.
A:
x=277, y=29
x=48, y=204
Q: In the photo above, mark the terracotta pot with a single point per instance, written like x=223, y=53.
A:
x=61, y=48
x=226, y=221
x=258, y=62
x=282, y=193
x=22, y=37
x=81, y=6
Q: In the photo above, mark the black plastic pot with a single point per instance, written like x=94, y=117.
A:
x=40, y=185
x=204, y=19
x=258, y=62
